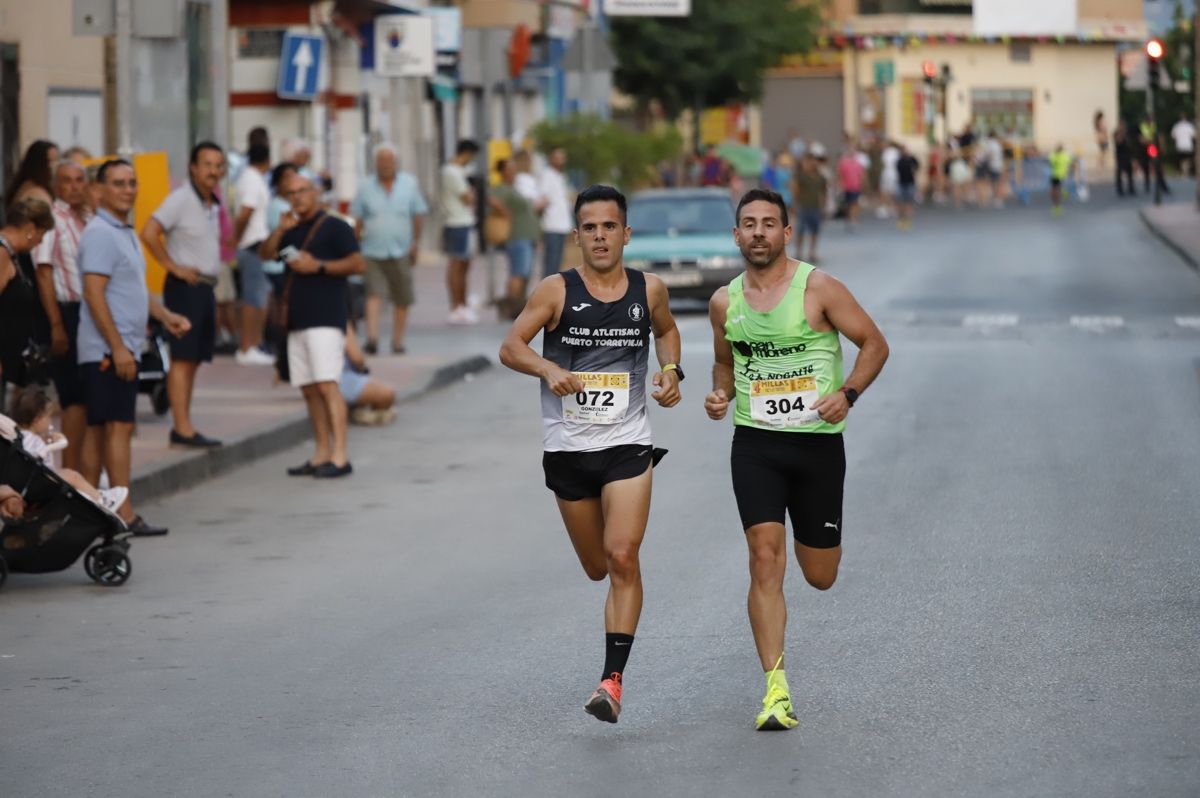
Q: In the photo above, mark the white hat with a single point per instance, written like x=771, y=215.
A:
x=817, y=149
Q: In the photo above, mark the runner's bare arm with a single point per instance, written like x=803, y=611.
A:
x=666, y=341
x=716, y=404
x=842, y=311
x=541, y=312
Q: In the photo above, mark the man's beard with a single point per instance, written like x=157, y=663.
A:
x=760, y=261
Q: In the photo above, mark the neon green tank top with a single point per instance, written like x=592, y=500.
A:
x=781, y=365
x=1060, y=164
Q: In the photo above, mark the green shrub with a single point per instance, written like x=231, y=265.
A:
x=606, y=152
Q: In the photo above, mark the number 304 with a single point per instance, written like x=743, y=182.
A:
x=777, y=406
x=595, y=398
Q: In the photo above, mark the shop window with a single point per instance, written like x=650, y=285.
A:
x=260, y=42
x=1009, y=112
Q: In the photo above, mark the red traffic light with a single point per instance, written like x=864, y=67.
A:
x=1155, y=49
x=930, y=70
x=1152, y=150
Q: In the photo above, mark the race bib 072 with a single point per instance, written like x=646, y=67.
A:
x=784, y=403
x=603, y=400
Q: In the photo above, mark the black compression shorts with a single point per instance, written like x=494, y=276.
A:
x=800, y=473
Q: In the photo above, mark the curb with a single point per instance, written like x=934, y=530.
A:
x=1188, y=257
x=161, y=482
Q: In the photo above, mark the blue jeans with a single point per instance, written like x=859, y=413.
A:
x=552, y=259
x=520, y=257
x=256, y=288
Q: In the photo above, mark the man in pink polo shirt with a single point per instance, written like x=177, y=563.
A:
x=850, y=177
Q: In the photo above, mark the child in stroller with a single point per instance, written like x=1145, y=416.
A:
x=33, y=413
x=46, y=523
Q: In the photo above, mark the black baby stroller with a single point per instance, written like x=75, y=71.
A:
x=59, y=524
x=153, y=367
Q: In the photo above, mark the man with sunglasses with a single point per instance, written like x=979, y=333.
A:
x=320, y=252
x=112, y=331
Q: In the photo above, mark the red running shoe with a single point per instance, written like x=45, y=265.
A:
x=605, y=703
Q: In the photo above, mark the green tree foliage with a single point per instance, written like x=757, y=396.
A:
x=1179, y=62
x=606, y=152
x=717, y=55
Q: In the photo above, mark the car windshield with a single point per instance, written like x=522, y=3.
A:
x=680, y=215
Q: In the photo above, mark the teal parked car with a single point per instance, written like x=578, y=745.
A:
x=685, y=237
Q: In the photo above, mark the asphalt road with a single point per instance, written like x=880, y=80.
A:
x=1017, y=613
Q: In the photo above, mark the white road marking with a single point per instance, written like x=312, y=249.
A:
x=1097, y=323
x=991, y=320
x=1192, y=322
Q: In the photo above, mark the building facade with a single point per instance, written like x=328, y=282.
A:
x=52, y=83
x=1035, y=78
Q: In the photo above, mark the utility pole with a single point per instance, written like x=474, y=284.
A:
x=1154, y=55
x=124, y=77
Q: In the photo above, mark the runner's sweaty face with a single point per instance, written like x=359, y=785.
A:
x=601, y=235
x=761, y=234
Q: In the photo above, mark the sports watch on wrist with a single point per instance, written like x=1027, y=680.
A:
x=851, y=394
x=675, y=367
x=321, y=267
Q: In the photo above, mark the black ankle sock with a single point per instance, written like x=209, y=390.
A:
x=616, y=653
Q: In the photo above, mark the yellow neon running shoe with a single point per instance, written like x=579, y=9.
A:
x=777, y=713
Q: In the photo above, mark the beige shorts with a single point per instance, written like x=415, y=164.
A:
x=315, y=355
x=226, y=289
x=391, y=278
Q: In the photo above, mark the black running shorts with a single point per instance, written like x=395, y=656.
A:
x=199, y=304
x=108, y=397
x=800, y=473
x=581, y=475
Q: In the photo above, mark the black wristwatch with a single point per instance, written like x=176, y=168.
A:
x=678, y=369
x=851, y=394
x=321, y=267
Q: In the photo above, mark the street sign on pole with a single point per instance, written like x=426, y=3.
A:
x=885, y=73
x=404, y=46
x=299, y=66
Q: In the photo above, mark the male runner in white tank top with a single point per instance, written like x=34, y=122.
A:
x=598, y=455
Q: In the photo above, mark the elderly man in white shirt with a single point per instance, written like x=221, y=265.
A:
x=556, y=215
x=1184, y=134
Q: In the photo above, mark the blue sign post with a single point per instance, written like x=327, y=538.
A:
x=299, y=66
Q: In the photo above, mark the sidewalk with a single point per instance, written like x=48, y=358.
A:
x=254, y=417
x=1178, y=225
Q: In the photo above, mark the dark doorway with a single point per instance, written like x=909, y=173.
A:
x=10, y=97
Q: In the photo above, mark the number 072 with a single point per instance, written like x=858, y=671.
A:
x=595, y=398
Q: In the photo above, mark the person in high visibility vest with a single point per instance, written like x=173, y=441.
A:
x=1060, y=168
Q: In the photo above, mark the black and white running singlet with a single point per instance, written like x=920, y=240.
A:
x=607, y=345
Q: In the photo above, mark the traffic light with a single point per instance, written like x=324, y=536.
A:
x=930, y=70
x=1154, y=55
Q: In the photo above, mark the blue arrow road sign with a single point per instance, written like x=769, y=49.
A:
x=299, y=66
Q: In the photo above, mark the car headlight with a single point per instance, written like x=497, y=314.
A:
x=719, y=262
x=638, y=263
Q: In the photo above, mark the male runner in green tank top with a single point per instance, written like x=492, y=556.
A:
x=779, y=358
